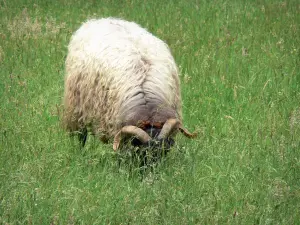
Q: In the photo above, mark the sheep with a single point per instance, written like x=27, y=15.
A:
x=121, y=81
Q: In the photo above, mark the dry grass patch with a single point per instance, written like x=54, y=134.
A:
x=23, y=26
x=1, y=54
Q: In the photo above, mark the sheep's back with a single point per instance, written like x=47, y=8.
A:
x=123, y=73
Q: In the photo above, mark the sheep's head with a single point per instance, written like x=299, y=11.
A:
x=156, y=143
x=152, y=136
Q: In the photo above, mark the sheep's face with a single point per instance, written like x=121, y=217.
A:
x=150, y=142
x=155, y=144
x=152, y=151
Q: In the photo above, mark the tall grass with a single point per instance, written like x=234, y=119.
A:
x=239, y=63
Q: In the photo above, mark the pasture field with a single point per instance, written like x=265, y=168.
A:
x=240, y=76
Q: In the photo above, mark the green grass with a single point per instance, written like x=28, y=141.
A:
x=240, y=75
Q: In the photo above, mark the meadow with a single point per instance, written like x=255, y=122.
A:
x=239, y=67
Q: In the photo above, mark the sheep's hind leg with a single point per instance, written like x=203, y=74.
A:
x=82, y=135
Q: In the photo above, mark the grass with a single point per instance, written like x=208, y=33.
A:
x=239, y=63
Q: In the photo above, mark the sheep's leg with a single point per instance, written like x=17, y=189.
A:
x=82, y=135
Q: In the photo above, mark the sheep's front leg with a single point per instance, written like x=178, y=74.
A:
x=82, y=135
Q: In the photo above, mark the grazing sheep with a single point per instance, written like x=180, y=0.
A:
x=121, y=81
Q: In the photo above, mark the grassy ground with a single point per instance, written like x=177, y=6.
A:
x=239, y=63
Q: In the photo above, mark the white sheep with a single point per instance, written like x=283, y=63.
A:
x=121, y=81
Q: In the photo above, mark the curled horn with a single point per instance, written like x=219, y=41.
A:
x=169, y=126
x=130, y=130
x=172, y=124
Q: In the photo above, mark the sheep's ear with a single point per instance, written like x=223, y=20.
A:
x=186, y=132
